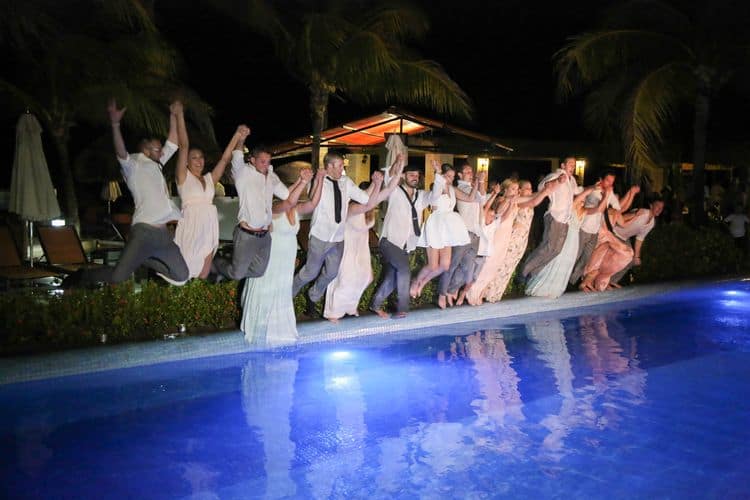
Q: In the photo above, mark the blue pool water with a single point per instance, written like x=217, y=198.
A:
x=637, y=400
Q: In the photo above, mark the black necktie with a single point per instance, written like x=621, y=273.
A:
x=414, y=216
x=336, y=200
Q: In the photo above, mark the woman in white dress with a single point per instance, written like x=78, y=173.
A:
x=552, y=280
x=355, y=269
x=268, y=318
x=444, y=228
x=197, y=233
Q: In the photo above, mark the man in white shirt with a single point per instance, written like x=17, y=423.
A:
x=401, y=230
x=592, y=223
x=256, y=184
x=464, y=260
x=556, y=219
x=639, y=225
x=150, y=242
x=738, y=222
x=326, y=244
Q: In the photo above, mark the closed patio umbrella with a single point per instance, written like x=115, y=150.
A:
x=395, y=146
x=32, y=196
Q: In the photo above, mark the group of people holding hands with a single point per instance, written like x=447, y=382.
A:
x=474, y=237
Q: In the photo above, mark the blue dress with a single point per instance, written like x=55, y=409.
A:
x=552, y=280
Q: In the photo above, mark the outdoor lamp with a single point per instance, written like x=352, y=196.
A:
x=580, y=167
x=483, y=164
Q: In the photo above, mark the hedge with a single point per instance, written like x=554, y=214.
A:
x=35, y=320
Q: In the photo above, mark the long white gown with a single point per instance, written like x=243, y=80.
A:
x=552, y=280
x=444, y=227
x=197, y=233
x=355, y=270
x=267, y=309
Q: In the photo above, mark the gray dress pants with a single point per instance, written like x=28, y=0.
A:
x=323, y=255
x=553, y=241
x=250, y=256
x=396, y=274
x=586, y=246
x=147, y=245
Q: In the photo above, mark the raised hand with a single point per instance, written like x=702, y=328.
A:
x=377, y=177
x=305, y=175
x=243, y=131
x=635, y=189
x=435, y=166
x=115, y=115
x=496, y=188
x=320, y=174
x=176, y=107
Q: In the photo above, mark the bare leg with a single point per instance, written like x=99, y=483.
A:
x=206, y=266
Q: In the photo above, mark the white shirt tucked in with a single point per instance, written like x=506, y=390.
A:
x=256, y=192
x=639, y=226
x=144, y=178
x=561, y=199
x=592, y=222
x=398, y=227
x=323, y=225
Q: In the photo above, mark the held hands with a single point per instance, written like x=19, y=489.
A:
x=435, y=166
x=305, y=175
x=635, y=190
x=320, y=174
x=115, y=115
x=176, y=107
x=496, y=188
x=636, y=261
x=243, y=131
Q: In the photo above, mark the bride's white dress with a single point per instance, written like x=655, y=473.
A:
x=267, y=309
x=552, y=280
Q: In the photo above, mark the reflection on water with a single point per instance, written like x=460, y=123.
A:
x=588, y=405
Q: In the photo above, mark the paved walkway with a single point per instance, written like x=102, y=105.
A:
x=418, y=323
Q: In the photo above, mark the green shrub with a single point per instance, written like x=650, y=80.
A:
x=34, y=320
x=677, y=251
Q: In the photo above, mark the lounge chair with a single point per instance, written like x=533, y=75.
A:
x=12, y=268
x=63, y=250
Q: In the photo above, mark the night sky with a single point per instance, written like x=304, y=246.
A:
x=499, y=52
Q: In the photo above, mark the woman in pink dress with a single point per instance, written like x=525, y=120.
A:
x=355, y=270
x=444, y=228
x=197, y=232
x=610, y=256
x=507, y=208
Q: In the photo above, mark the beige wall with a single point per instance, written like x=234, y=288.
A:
x=428, y=172
x=358, y=168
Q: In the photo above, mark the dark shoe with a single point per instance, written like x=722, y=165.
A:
x=311, y=310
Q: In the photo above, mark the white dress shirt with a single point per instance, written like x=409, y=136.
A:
x=639, y=226
x=323, y=224
x=561, y=199
x=593, y=222
x=398, y=227
x=144, y=178
x=256, y=192
x=470, y=212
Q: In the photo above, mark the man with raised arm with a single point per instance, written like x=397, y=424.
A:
x=326, y=245
x=256, y=184
x=150, y=241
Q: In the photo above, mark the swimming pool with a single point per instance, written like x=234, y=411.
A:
x=648, y=399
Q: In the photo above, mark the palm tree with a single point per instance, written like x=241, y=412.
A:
x=70, y=58
x=645, y=64
x=354, y=49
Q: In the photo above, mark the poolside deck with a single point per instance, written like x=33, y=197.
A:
x=420, y=322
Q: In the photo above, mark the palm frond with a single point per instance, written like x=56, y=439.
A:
x=591, y=56
x=25, y=25
x=400, y=22
x=651, y=109
x=129, y=13
x=602, y=106
x=364, y=58
x=422, y=83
